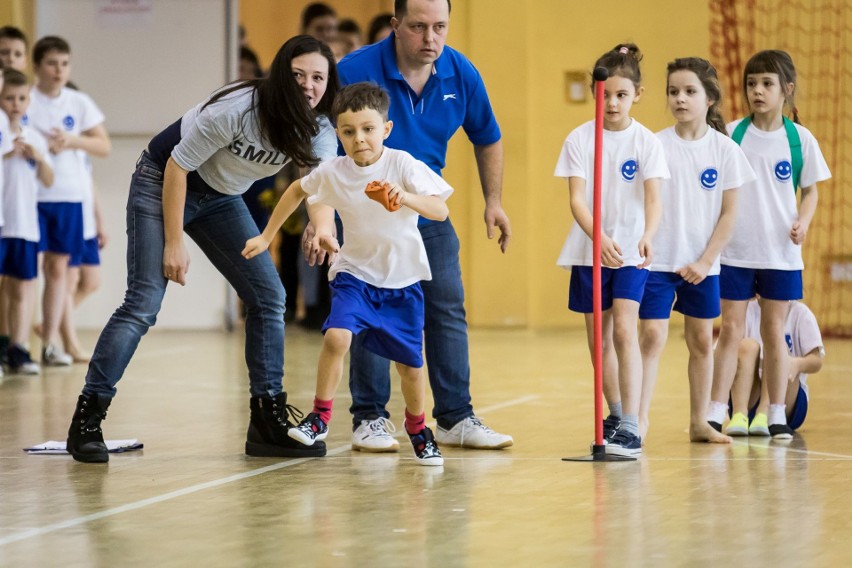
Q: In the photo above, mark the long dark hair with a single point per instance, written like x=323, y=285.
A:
x=284, y=116
x=706, y=73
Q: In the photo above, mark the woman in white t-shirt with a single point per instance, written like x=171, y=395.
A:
x=764, y=255
x=191, y=178
x=633, y=164
x=699, y=208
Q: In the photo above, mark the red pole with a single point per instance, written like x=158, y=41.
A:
x=596, y=257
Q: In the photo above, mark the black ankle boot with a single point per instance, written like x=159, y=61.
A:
x=267, y=431
x=85, y=437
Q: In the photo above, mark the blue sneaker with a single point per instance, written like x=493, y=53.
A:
x=309, y=430
x=623, y=443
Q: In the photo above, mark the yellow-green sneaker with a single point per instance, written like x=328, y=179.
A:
x=738, y=426
x=759, y=425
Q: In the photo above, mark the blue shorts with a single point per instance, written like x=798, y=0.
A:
x=2, y=250
x=741, y=284
x=693, y=300
x=89, y=255
x=20, y=259
x=61, y=225
x=797, y=416
x=626, y=283
x=391, y=319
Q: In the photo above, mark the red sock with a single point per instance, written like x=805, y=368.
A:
x=414, y=424
x=323, y=408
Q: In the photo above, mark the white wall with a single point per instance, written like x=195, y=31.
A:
x=145, y=62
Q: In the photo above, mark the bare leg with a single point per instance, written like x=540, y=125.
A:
x=725, y=356
x=82, y=282
x=625, y=337
x=21, y=298
x=413, y=388
x=653, y=334
x=773, y=314
x=55, y=295
x=610, y=362
x=746, y=377
x=335, y=345
x=699, y=341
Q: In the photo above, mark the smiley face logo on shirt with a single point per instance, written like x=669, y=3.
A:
x=31, y=163
x=68, y=122
x=25, y=120
x=628, y=170
x=708, y=178
x=783, y=171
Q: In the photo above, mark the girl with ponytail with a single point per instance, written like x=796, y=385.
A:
x=699, y=209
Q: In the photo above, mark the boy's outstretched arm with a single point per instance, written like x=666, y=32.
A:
x=324, y=239
x=430, y=206
x=285, y=207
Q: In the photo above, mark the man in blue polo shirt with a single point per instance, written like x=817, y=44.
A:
x=434, y=90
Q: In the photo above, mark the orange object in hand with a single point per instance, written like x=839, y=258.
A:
x=378, y=192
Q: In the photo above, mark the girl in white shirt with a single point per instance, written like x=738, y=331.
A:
x=764, y=256
x=699, y=208
x=633, y=164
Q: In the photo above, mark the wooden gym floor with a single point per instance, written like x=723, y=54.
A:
x=192, y=498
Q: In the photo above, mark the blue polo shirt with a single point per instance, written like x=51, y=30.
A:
x=454, y=96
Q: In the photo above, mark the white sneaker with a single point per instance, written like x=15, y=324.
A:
x=373, y=436
x=472, y=433
x=52, y=356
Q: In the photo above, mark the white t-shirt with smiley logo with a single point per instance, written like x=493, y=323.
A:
x=767, y=207
x=630, y=157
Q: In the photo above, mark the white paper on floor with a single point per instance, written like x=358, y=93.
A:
x=56, y=447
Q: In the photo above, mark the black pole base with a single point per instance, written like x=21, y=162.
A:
x=599, y=455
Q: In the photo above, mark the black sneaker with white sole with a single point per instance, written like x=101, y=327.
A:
x=426, y=450
x=780, y=432
x=309, y=430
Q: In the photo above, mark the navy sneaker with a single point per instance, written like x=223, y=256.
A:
x=623, y=443
x=426, y=450
x=20, y=362
x=780, y=432
x=309, y=430
x=610, y=425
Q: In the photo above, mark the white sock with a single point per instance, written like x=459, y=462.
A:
x=716, y=412
x=777, y=414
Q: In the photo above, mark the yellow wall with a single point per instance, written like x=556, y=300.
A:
x=523, y=50
x=269, y=23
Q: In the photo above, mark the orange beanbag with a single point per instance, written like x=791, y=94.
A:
x=378, y=192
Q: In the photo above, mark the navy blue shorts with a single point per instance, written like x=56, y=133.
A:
x=625, y=283
x=694, y=300
x=20, y=259
x=741, y=284
x=390, y=319
x=61, y=227
x=797, y=416
x=90, y=254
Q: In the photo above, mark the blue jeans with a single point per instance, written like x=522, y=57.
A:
x=445, y=335
x=220, y=225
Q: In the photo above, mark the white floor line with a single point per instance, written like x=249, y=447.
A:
x=33, y=533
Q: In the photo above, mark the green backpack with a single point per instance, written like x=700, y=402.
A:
x=792, y=138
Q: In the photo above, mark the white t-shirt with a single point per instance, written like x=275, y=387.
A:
x=223, y=143
x=20, y=195
x=6, y=145
x=768, y=206
x=630, y=157
x=380, y=247
x=801, y=332
x=72, y=112
x=692, y=199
